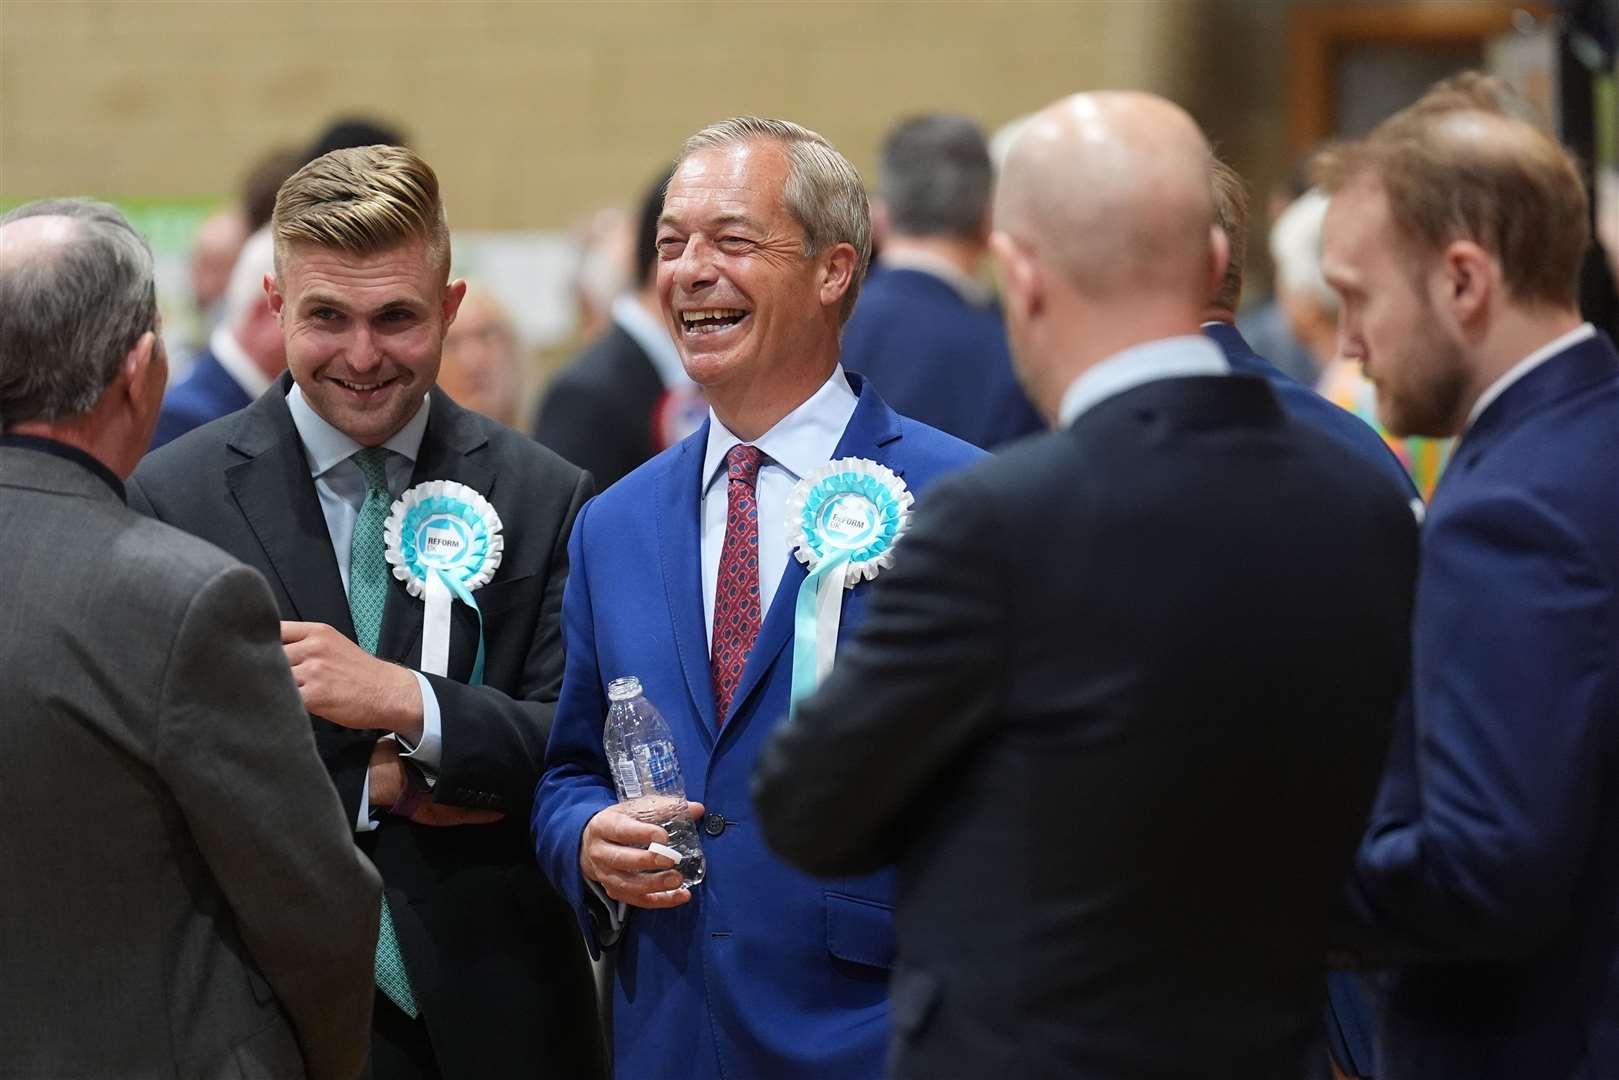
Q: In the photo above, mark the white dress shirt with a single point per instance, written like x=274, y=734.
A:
x=341, y=487
x=801, y=442
x=1526, y=365
x=1167, y=358
x=653, y=337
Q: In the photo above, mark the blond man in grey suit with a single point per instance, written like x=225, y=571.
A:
x=182, y=897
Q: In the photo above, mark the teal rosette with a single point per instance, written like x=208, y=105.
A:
x=843, y=521
x=443, y=540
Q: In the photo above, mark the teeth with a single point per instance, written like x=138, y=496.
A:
x=358, y=386
x=711, y=313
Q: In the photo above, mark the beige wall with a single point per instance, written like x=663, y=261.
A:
x=533, y=113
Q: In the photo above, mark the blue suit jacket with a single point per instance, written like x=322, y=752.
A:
x=1492, y=855
x=1308, y=407
x=937, y=358
x=766, y=973
x=206, y=394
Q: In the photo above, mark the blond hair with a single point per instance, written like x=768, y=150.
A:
x=823, y=191
x=1466, y=173
x=362, y=201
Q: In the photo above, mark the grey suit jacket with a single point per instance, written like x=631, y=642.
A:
x=181, y=897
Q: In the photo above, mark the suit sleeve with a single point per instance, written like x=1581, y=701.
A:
x=1482, y=827
x=235, y=748
x=576, y=784
x=494, y=743
x=923, y=675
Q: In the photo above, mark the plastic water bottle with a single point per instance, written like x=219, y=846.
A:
x=641, y=754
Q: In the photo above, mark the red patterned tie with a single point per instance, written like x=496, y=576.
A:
x=736, y=590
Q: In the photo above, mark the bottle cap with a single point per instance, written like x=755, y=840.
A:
x=623, y=689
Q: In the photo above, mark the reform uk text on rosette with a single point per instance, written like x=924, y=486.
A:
x=443, y=541
x=843, y=521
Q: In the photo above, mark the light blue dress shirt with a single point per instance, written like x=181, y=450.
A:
x=341, y=488
x=1167, y=358
x=801, y=442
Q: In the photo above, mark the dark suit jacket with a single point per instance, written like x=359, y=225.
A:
x=207, y=393
x=937, y=358
x=1492, y=856
x=182, y=898
x=1120, y=730
x=600, y=411
x=492, y=950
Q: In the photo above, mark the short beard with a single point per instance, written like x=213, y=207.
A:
x=1430, y=404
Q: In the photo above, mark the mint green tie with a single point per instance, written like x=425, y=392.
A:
x=368, y=593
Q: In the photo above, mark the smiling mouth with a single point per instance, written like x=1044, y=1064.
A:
x=710, y=320
x=364, y=388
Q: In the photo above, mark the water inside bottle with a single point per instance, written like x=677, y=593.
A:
x=671, y=816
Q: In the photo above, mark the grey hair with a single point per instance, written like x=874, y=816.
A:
x=823, y=192
x=69, y=316
x=935, y=176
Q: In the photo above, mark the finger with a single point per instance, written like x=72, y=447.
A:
x=654, y=901
x=637, y=889
x=431, y=813
x=297, y=631
x=627, y=859
x=694, y=810
x=617, y=827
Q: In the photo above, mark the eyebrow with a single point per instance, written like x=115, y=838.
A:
x=724, y=221
x=322, y=300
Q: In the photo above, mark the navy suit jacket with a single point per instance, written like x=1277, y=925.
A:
x=937, y=358
x=206, y=394
x=766, y=974
x=1492, y=855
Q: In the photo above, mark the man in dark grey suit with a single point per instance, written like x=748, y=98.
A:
x=182, y=898
x=423, y=723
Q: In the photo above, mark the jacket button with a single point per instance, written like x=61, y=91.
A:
x=713, y=823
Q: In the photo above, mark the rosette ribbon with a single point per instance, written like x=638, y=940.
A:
x=443, y=541
x=843, y=521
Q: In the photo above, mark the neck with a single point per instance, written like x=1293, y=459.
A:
x=1093, y=332
x=1219, y=315
x=1511, y=337
x=964, y=255
x=86, y=434
x=750, y=411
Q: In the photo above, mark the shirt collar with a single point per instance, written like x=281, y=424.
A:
x=325, y=446
x=800, y=442
x=654, y=339
x=968, y=287
x=1166, y=358
x=237, y=364
x=68, y=453
x=1526, y=365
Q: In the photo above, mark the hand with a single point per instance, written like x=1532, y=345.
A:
x=613, y=853
x=347, y=685
x=387, y=783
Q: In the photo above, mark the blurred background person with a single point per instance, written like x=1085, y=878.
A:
x=219, y=240
x=1264, y=322
x=482, y=367
x=926, y=331
x=1311, y=307
x=244, y=354
x=349, y=131
x=627, y=396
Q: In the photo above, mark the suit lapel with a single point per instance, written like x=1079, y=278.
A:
x=679, y=509
x=873, y=433
x=448, y=452
x=277, y=498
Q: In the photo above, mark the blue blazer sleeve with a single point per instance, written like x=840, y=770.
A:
x=1485, y=817
x=576, y=784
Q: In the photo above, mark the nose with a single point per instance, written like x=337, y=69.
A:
x=693, y=271
x=363, y=353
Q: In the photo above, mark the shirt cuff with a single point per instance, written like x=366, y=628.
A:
x=615, y=910
x=428, y=753
x=366, y=820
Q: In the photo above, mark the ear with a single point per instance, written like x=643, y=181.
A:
x=1219, y=258
x=144, y=373
x=1466, y=280
x=272, y=292
x=1022, y=286
x=454, y=293
x=836, y=274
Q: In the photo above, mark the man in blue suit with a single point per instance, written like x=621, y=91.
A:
x=1487, y=873
x=926, y=332
x=244, y=354
x=681, y=574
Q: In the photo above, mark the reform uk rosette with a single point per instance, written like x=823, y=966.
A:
x=843, y=521
x=443, y=541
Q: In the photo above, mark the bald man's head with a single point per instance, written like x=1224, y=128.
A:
x=1111, y=191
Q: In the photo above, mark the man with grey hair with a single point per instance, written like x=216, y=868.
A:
x=244, y=352
x=184, y=898
x=683, y=575
x=927, y=333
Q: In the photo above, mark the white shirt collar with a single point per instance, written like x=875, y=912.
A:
x=325, y=446
x=237, y=364
x=1166, y=358
x=654, y=339
x=968, y=287
x=800, y=442
x=1526, y=365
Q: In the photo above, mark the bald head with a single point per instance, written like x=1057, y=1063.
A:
x=1111, y=191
